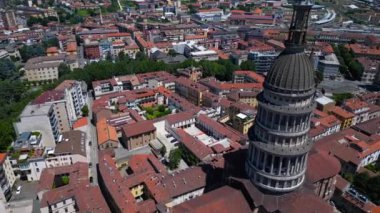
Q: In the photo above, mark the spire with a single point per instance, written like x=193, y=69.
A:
x=298, y=26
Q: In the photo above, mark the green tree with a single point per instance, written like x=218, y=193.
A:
x=85, y=111
x=65, y=180
x=339, y=98
x=52, y=42
x=121, y=56
x=31, y=51
x=7, y=69
x=174, y=158
x=248, y=65
x=161, y=108
x=356, y=69
x=63, y=69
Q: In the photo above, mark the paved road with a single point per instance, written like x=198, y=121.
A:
x=94, y=142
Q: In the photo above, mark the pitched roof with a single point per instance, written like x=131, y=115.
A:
x=105, y=132
x=321, y=166
x=80, y=122
x=138, y=128
x=232, y=200
x=3, y=156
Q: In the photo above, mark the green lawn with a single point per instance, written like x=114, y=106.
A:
x=156, y=112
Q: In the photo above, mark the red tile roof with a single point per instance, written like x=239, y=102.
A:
x=87, y=198
x=200, y=150
x=49, y=96
x=321, y=166
x=340, y=112
x=253, y=75
x=179, y=117
x=232, y=200
x=138, y=128
x=353, y=104
x=80, y=122
x=3, y=156
x=106, y=132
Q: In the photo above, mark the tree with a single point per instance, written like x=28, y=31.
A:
x=52, y=42
x=121, y=56
x=63, y=69
x=65, y=180
x=172, y=52
x=31, y=51
x=109, y=56
x=248, y=65
x=174, y=158
x=7, y=68
x=161, y=108
x=85, y=111
x=356, y=69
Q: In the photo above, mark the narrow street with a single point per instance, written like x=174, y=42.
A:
x=94, y=142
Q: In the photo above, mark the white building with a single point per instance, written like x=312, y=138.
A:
x=263, y=60
x=209, y=15
x=7, y=178
x=328, y=65
x=39, y=118
x=74, y=98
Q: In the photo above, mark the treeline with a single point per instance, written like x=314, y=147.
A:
x=349, y=67
x=220, y=69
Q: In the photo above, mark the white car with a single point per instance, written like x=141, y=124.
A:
x=18, y=191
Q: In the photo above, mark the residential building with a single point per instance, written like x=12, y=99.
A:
x=190, y=90
x=107, y=135
x=263, y=60
x=324, y=173
x=7, y=178
x=324, y=103
x=58, y=102
x=40, y=118
x=69, y=150
x=361, y=50
x=138, y=134
x=209, y=15
x=347, y=118
x=29, y=165
x=247, y=97
x=76, y=196
x=75, y=97
x=192, y=73
x=328, y=65
x=323, y=125
x=247, y=76
x=359, y=108
x=9, y=19
x=46, y=67
x=91, y=50
x=354, y=149
x=370, y=69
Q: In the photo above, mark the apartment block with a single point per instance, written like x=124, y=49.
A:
x=46, y=67
x=7, y=178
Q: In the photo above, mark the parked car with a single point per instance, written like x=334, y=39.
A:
x=18, y=190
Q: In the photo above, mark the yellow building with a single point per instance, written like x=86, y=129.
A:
x=347, y=118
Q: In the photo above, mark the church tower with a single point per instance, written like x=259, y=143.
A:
x=279, y=142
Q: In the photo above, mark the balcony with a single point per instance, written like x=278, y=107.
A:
x=24, y=166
